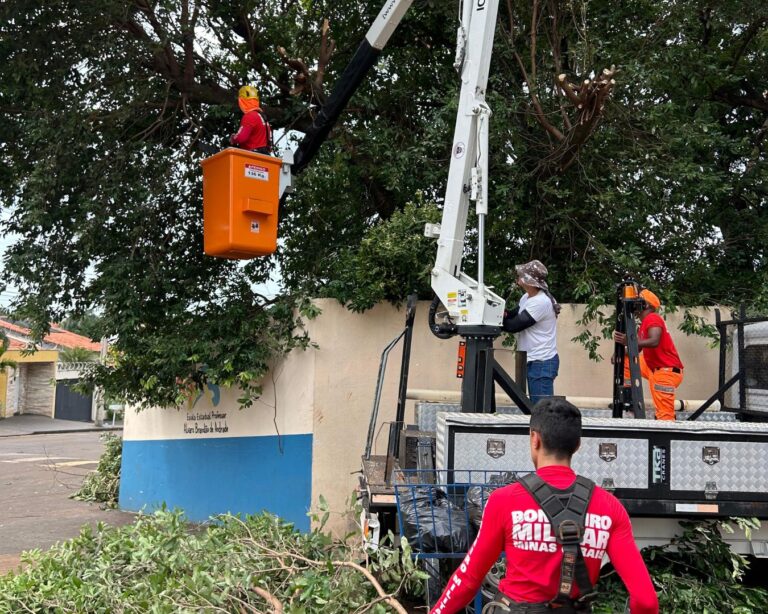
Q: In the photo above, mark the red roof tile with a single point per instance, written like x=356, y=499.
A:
x=13, y=327
x=57, y=336
x=17, y=345
x=72, y=340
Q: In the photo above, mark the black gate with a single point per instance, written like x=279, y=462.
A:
x=71, y=405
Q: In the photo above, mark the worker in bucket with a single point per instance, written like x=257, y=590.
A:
x=255, y=132
x=555, y=528
x=660, y=363
x=535, y=321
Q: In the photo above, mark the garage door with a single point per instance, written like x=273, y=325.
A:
x=71, y=405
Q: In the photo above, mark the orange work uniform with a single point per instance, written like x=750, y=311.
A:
x=661, y=366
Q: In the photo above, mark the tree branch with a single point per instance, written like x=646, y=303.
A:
x=538, y=110
x=304, y=82
x=277, y=607
x=734, y=100
x=327, y=47
x=749, y=34
x=162, y=35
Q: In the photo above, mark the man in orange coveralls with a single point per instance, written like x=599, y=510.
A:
x=660, y=363
x=255, y=132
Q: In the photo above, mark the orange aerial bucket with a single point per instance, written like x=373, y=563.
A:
x=241, y=193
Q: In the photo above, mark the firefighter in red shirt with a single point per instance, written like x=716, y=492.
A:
x=660, y=363
x=255, y=132
x=555, y=528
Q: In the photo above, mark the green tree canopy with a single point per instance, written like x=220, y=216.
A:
x=657, y=169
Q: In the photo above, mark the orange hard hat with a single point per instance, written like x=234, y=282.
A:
x=650, y=298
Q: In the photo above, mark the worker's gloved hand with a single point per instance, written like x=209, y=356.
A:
x=620, y=338
x=510, y=323
x=231, y=139
x=506, y=320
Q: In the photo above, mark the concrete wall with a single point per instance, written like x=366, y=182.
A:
x=306, y=435
x=29, y=388
x=211, y=457
x=346, y=367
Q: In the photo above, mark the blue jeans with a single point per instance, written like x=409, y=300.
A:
x=541, y=378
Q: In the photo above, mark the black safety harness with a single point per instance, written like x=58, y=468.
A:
x=566, y=511
x=270, y=147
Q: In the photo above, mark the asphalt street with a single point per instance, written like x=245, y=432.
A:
x=38, y=473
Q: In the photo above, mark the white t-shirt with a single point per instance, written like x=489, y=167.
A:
x=540, y=339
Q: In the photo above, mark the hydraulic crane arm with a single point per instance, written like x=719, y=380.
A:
x=469, y=302
x=365, y=57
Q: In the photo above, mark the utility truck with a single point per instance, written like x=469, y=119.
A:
x=713, y=464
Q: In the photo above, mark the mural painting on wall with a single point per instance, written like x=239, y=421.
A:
x=206, y=421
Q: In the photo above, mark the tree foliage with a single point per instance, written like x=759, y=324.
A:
x=103, y=484
x=162, y=563
x=655, y=169
x=696, y=572
x=5, y=343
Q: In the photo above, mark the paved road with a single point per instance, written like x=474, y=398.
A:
x=37, y=475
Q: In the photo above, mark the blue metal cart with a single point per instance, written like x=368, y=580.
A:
x=439, y=513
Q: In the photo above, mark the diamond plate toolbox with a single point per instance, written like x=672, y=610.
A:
x=655, y=468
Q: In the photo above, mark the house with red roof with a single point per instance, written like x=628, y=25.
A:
x=40, y=382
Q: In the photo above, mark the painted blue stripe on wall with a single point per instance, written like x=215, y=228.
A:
x=213, y=476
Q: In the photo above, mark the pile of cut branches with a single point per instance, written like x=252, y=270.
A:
x=162, y=563
x=103, y=485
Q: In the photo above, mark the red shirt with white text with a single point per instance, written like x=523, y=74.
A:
x=515, y=524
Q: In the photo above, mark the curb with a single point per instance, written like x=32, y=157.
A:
x=55, y=431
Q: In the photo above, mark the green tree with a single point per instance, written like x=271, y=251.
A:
x=4, y=345
x=88, y=324
x=656, y=170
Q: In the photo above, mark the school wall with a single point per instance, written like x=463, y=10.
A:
x=211, y=457
x=306, y=435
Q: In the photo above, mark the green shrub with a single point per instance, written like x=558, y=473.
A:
x=103, y=485
x=696, y=572
x=163, y=564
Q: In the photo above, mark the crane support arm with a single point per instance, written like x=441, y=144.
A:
x=468, y=301
x=365, y=57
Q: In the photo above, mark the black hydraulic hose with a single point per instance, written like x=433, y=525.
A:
x=326, y=119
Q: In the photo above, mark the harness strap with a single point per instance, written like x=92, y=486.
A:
x=268, y=128
x=566, y=511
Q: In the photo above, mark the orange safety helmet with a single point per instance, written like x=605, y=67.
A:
x=650, y=298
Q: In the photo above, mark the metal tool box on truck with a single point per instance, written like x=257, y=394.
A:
x=655, y=468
